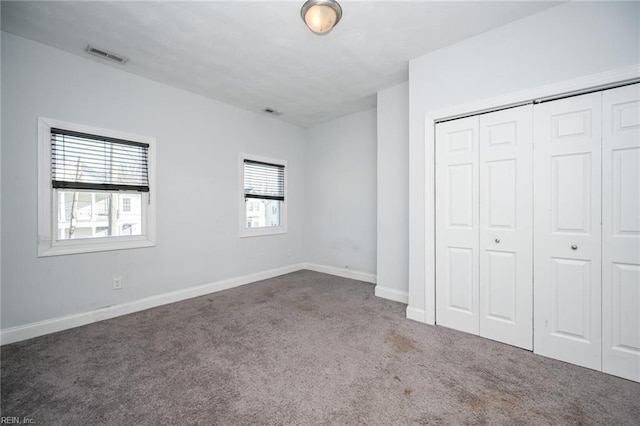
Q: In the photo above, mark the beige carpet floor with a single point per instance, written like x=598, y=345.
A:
x=305, y=348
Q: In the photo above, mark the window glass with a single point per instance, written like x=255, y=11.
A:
x=97, y=214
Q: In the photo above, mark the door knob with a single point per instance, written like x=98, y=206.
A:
x=574, y=247
x=497, y=240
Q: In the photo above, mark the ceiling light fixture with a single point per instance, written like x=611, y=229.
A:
x=321, y=15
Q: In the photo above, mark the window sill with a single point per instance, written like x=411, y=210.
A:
x=260, y=232
x=60, y=248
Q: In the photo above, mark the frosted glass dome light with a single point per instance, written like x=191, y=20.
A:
x=321, y=15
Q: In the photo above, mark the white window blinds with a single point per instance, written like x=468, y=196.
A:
x=85, y=161
x=263, y=180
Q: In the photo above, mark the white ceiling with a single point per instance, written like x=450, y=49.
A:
x=257, y=54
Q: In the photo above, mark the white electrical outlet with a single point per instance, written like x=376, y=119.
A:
x=117, y=283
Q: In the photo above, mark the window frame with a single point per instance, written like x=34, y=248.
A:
x=48, y=244
x=245, y=231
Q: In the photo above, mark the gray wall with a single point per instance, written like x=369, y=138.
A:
x=331, y=177
x=341, y=193
x=393, y=189
x=568, y=41
x=198, y=143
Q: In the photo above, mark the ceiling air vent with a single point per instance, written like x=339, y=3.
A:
x=271, y=111
x=105, y=54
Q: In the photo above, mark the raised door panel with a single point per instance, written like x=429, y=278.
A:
x=625, y=175
x=570, y=302
x=625, y=320
x=621, y=232
x=457, y=224
x=460, y=184
x=500, y=287
x=506, y=155
x=567, y=237
x=571, y=193
x=460, y=279
x=501, y=193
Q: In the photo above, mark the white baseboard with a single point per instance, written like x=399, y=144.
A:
x=40, y=328
x=392, y=294
x=345, y=273
x=416, y=314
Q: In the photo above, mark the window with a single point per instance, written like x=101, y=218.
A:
x=95, y=189
x=263, y=208
x=126, y=204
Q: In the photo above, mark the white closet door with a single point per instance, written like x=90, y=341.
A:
x=567, y=243
x=457, y=224
x=506, y=246
x=621, y=232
